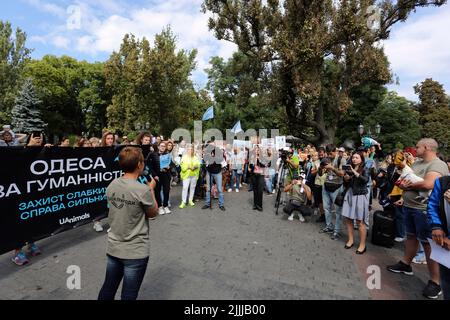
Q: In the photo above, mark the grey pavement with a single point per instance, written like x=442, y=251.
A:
x=209, y=254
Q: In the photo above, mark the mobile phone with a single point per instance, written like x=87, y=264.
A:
x=347, y=167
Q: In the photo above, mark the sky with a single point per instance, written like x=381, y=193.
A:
x=91, y=30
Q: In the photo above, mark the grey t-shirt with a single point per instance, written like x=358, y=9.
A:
x=421, y=168
x=129, y=234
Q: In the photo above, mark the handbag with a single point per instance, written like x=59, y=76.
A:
x=339, y=201
x=331, y=187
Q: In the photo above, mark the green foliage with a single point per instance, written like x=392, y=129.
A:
x=434, y=113
x=396, y=115
x=239, y=95
x=26, y=115
x=315, y=52
x=151, y=85
x=73, y=94
x=13, y=56
x=399, y=122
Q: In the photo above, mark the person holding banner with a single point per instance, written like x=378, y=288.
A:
x=190, y=169
x=36, y=139
x=130, y=204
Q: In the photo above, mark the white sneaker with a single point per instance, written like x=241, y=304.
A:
x=98, y=226
x=237, y=190
x=161, y=211
x=301, y=218
x=229, y=190
x=398, y=239
x=291, y=217
x=108, y=230
x=167, y=210
x=273, y=191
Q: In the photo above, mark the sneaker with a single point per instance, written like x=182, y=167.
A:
x=230, y=190
x=399, y=239
x=20, y=259
x=326, y=230
x=432, y=290
x=222, y=208
x=291, y=217
x=108, y=231
x=206, y=206
x=182, y=205
x=237, y=190
x=34, y=250
x=401, y=267
x=301, y=218
x=167, y=210
x=419, y=259
x=98, y=226
x=191, y=203
x=335, y=236
x=161, y=211
x=273, y=191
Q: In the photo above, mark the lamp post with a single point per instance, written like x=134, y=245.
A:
x=362, y=133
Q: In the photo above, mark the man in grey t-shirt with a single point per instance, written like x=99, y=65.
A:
x=417, y=226
x=130, y=205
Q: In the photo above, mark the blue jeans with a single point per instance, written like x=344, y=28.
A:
x=445, y=281
x=235, y=177
x=269, y=183
x=399, y=222
x=132, y=272
x=218, y=179
x=328, y=202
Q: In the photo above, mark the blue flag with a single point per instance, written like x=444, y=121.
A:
x=209, y=114
x=237, y=128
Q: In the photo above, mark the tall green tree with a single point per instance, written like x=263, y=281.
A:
x=13, y=57
x=239, y=96
x=434, y=113
x=150, y=84
x=316, y=51
x=73, y=94
x=26, y=114
x=399, y=120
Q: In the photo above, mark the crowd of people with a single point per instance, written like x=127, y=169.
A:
x=339, y=186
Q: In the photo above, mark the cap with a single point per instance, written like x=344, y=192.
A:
x=6, y=127
x=341, y=149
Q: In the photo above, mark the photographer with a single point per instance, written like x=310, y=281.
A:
x=130, y=204
x=299, y=195
x=332, y=187
x=291, y=163
x=356, y=201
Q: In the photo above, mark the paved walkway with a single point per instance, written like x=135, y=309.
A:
x=237, y=254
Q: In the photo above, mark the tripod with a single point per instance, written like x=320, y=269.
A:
x=280, y=187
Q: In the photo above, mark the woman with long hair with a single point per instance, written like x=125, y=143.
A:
x=257, y=169
x=190, y=169
x=107, y=139
x=356, y=201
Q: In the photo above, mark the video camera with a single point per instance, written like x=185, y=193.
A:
x=285, y=154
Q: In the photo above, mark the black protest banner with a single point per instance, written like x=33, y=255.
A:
x=45, y=191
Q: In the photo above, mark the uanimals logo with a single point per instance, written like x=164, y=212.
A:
x=74, y=219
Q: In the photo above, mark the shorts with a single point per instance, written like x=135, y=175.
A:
x=416, y=224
